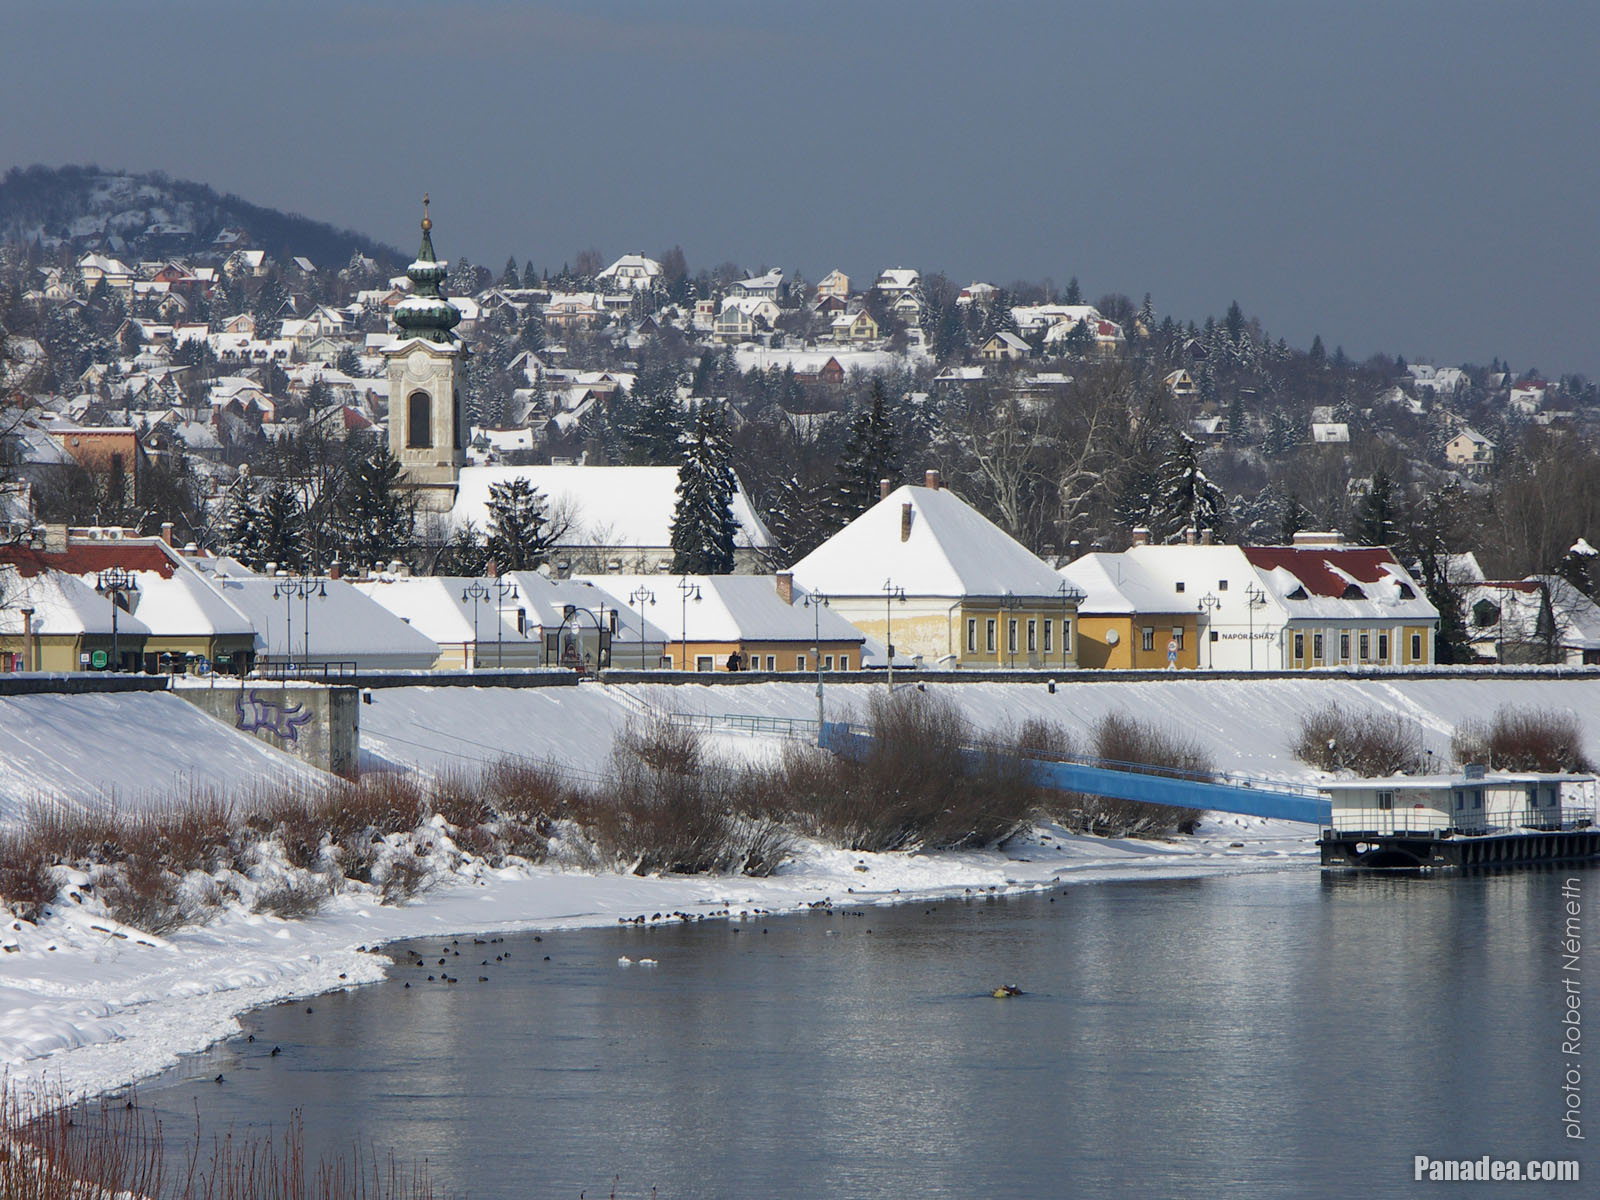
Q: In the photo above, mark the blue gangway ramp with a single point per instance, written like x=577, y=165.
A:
x=1146, y=784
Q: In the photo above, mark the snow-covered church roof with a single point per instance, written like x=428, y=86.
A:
x=947, y=549
x=620, y=507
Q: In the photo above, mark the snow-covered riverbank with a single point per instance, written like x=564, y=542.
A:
x=87, y=1005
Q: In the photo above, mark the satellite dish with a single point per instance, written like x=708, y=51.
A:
x=1112, y=638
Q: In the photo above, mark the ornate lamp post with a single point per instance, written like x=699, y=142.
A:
x=1254, y=598
x=504, y=589
x=571, y=617
x=816, y=602
x=891, y=593
x=475, y=592
x=1208, y=605
x=1070, y=597
x=689, y=591
x=641, y=596
x=115, y=584
x=287, y=589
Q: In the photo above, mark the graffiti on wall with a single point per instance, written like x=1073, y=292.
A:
x=258, y=715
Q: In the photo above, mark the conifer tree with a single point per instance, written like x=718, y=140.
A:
x=379, y=518
x=521, y=535
x=1074, y=292
x=1377, y=516
x=657, y=418
x=1184, y=497
x=281, y=529
x=241, y=524
x=703, y=525
x=871, y=453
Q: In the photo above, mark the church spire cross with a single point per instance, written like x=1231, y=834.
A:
x=427, y=222
x=426, y=313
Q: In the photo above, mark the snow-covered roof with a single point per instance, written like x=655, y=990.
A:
x=1340, y=582
x=730, y=608
x=1115, y=583
x=898, y=279
x=950, y=549
x=183, y=603
x=61, y=604
x=438, y=605
x=335, y=624
x=608, y=506
x=546, y=601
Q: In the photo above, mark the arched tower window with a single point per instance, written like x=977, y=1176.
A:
x=419, y=421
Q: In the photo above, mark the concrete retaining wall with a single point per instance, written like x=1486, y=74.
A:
x=318, y=724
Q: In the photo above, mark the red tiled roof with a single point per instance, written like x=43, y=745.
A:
x=87, y=558
x=1529, y=586
x=1309, y=564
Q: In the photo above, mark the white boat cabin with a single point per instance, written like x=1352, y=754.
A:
x=1472, y=802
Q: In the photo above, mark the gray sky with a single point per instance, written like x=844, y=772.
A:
x=1412, y=176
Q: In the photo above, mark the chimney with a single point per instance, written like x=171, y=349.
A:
x=27, y=641
x=1319, y=537
x=932, y=481
x=1205, y=537
x=905, y=521
x=785, y=581
x=55, y=537
x=885, y=486
x=1141, y=536
x=335, y=570
x=166, y=532
x=1188, y=536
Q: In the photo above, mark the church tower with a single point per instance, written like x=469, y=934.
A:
x=425, y=417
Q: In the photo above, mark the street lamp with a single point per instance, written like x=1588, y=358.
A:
x=641, y=596
x=570, y=615
x=689, y=591
x=115, y=583
x=504, y=590
x=287, y=589
x=1254, y=598
x=1070, y=596
x=1208, y=604
x=475, y=593
x=1011, y=602
x=816, y=602
x=890, y=594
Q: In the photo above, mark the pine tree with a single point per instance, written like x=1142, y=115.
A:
x=1147, y=317
x=1294, y=519
x=510, y=277
x=1233, y=323
x=1317, y=356
x=1074, y=292
x=241, y=524
x=1377, y=516
x=1184, y=497
x=656, y=425
x=282, y=528
x=520, y=534
x=463, y=554
x=871, y=453
x=703, y=525
x=379, y=519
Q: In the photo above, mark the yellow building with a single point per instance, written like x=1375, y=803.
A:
x=1125, y=622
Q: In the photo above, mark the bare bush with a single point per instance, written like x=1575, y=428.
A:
x=140, y=892
x=1523, y=739
x=27, y=883
x=1369, y=743
x=294, y=898
x=1123, y=740
x=404, y=877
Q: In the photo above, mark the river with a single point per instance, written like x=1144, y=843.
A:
x=1269, y=1034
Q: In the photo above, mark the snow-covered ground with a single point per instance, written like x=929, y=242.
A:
x=90, y=1005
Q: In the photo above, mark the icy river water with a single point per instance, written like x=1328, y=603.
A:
x=1273, y=1034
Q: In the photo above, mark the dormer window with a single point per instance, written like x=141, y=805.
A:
x=1352, y=592
x=1298, y=594
x=1407, y=592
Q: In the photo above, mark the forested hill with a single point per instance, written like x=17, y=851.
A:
x=154, y=216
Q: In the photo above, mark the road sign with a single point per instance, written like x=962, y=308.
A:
x=98, y=660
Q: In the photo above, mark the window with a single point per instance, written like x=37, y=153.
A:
x=419, y=421
x=1222, y=585
x=703, y=662
x=988, y=635
x=1299, y=646
x=799, y=662
x=972, y=635
x=1386, y=801
x=1177, y=635
x=1477, y=797
x=1461, y=799
x=827, y=662
x=1033, y=636
x=1147, y=640
x=1344, y=647
x=1383, y=647
x=1215, y=636
x=844, y=662
x=1066, y=637
x=772, y=662
x=1365, y=648
x=1011, y=636
x=1316, y=646
x=1416, y=647
x=1047, y=624
x=1178, y=586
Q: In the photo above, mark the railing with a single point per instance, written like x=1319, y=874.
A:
x=331, y=669
x=797, y=728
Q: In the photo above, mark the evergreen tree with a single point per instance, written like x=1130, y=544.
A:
x=871, y=453
x=530, y=277
x=1146, y=319
x=510, y=277
x=281, y=529
x=463, y=554
x=1294, y=519
x=1233, y=323
x=1074, y=292
x=1317, y=356
x=703, y=526
x=269, y=307
x=241, y=524
x=379, y=518
x=656, y=427
x=1079, y=342
x=520, y=532
x=1377, y=516
x=1184, y=497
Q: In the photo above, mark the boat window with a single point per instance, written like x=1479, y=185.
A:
x=1386, y=800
